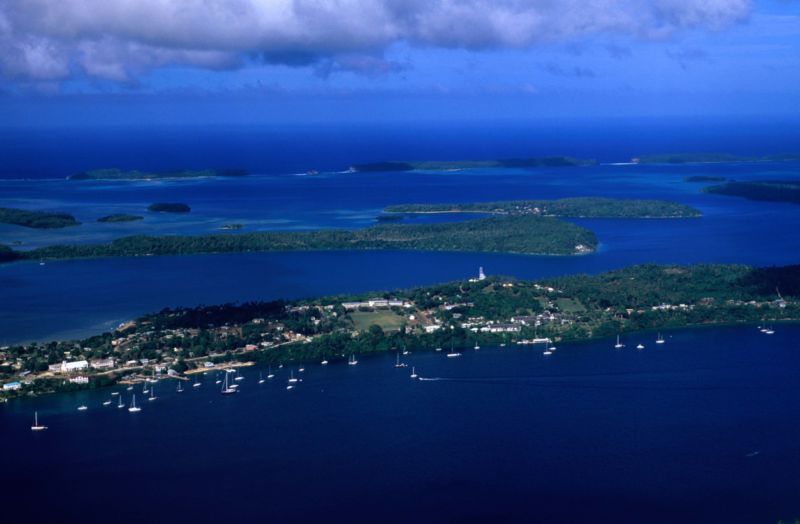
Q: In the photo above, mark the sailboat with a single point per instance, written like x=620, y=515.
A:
x=226, y=390
x=134, y=408
x=82, y=407
x=324, y=361
x=547, y=352
x=405, y=351
x=120, y=405
x=477, y=347
x=238, y=376
x=260, y=378
x=114, y=393
x=301, y=369
x=640, y=346
x=453, y=353
x=179, y=389
x=270, y=374
x=414, y=373
x=660, y=339
x=619, y=344
x=399, y=364
x=36, y=426
x=107, y=402
x=145, y=391
x=152, y=394
x=218, y=381
x=352, y=361
x=196, y=383
x=292, y=380
x=438, y=349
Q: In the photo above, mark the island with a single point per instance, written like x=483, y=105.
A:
x=580, y=207
x=121, y=217
x=494, y=310
x=36, y=219
x=710, y=158
x=120, y=174
x=766, y=190
x=169, y=207
x=450, y=165
x=704, y=178
x=231, y=227
x=524, y=234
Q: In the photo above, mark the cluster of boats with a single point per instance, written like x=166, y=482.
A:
x=620, y=345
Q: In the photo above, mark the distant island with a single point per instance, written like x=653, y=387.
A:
x=704, y=178
x=169, y=207
x=581, y=207
x=231, y=227
x=36, y=219
x=710, y=158
x=532, y=315
x=767, y=190
x=558, y=161
x=120, y=174
x=120, y=218
x=507, y=234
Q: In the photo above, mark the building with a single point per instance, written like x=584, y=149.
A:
x=103, y=363
x=11, y=386
x=79, y=380
x=69, y=367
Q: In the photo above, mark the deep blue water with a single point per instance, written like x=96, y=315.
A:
x=701, y=429
x=70, y=298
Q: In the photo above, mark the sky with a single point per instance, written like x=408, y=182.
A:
x=103, y=62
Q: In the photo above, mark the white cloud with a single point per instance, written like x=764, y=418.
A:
x=120, y=39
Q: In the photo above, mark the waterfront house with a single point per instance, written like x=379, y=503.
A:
x=11, y=386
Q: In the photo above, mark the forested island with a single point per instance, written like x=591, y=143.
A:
x=169, y=207
x=767, y=190
x=704, y=178
x=121, y=217
x=36, y=219
x=710, y=158
x=120, y=174
x=490, y=311
x=449, y=165
x=581, y=207
x=508, y=234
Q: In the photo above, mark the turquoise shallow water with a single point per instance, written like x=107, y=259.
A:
x=69, y=298
x=702, y=429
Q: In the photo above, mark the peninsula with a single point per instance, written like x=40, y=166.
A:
x=486, y=311
x=581, y=207
x=522, y=234
x=450, y=165
x=120, y=174
x=36, y=219
x=710, y=158
x=766, y=190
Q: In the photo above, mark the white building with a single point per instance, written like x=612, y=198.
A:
x=69, y=367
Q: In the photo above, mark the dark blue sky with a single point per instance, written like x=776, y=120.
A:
x=244, y=61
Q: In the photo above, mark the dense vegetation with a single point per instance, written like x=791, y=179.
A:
x=708, y=158
x=169, y=207
x=559, y=161
x=769, y=190
x=562, y=309
x=119, y=174
x=36, y=219
x=588, y=207
x=510, y=234
x=120, y=218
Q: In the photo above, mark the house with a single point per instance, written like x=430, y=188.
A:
x=11, y=386
x=102, y=363
x=79, y=380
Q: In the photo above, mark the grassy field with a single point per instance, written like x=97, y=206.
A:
x=388, y=320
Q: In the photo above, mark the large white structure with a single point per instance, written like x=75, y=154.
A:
x=67, y=367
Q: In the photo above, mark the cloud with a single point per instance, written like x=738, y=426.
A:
x=118, y=40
